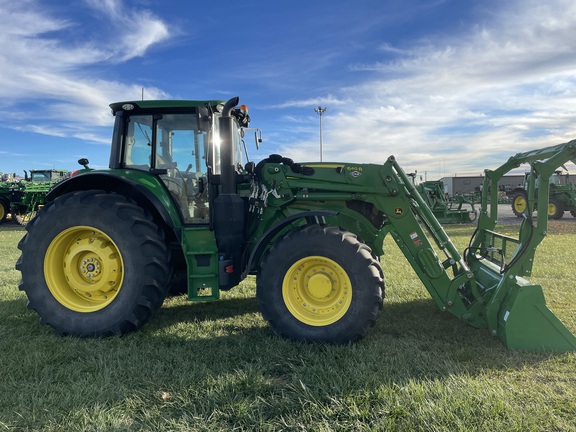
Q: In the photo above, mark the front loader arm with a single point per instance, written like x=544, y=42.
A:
x=418, y=234
x=405, y=216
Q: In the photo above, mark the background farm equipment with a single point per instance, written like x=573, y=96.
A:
x=9, y=192
x=31, y=198
x=456, y=209
x=29, y=195
x=562, y=196
x=100, y=257
x=562, y=199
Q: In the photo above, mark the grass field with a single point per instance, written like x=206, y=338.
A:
x=217, y=366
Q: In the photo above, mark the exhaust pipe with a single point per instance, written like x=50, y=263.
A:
x=228, y=171
x=229, y=208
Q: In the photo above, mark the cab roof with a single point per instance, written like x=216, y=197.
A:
x=163, y=104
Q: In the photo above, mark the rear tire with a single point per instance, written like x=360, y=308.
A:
x=555, y=209
x=320, y=284
x=93, y=264
x=4, y=210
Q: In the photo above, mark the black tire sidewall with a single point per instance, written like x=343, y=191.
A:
x=6, y=209
x=559, y=209
x=129, y=233
x=344, y=249
x=514, y=197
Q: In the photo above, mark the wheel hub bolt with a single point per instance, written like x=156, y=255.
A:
x=90, y=267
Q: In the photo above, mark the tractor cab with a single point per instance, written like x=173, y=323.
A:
x=181, y=143
x=45, y=176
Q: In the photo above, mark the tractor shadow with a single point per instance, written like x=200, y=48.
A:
x=414, y=336
x=411, y=340
x=435, y=344
x=205, y=311
x=204, y=352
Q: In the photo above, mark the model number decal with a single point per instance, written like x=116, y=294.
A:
x=354, y=171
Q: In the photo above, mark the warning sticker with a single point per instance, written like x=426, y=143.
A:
x=415, y=239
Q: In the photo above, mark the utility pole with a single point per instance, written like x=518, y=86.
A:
x=320, y=111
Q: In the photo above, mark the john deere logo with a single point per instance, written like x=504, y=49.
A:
x=355, y=173
x=398, y=211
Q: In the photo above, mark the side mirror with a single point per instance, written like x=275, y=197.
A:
x=258, y=138
x=84, y=162
x=257, y=135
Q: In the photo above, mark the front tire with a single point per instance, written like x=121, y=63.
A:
x=93, y=264
x=320, y=284
x=519, y=203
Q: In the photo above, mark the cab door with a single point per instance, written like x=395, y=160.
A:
x=180, y=150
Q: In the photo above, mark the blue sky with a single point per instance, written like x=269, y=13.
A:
x=448, y=86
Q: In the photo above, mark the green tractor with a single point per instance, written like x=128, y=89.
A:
x=562, y=196
x=9, y=191
x=179, y=202
x=32, y=193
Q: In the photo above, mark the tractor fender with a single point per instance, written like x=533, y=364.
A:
x=312, y=217
x=113, y=183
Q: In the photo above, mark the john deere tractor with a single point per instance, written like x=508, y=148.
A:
x=22, y=199
x=9, y=191
x=180, y=202
x=562, y=196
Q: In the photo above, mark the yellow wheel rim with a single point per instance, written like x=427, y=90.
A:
x=83, y=269
x=317, y=291
x=520, y=204
x=2, y=212
x=551, y=209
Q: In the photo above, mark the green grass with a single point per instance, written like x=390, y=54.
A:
x=217, y=366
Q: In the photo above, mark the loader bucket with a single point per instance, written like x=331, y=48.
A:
x=526, y=323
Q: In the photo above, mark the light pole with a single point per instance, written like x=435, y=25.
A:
x=320, y=111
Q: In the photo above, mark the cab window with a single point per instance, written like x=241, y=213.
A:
x=180, y=151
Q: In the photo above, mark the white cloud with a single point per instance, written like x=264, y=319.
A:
x=467, y=102
x=331, y=100
x=137, y=29
x=450, y=103
x=42, y=69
